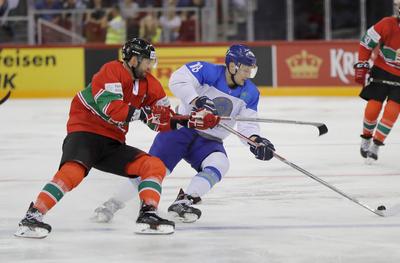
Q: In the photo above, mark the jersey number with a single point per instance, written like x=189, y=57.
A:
x=196, y=67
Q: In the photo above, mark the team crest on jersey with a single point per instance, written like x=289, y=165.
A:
x=223, y=105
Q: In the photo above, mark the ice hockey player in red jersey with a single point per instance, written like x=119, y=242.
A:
x=382, y=85
x=121, y=92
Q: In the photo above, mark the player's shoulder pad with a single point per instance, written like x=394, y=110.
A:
x=205, y=72
x=250, y=95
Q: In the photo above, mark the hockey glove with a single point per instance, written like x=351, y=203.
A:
x=360, y=72
x=266, y=149
x=202, y=119
x=203, y=102
x=158, y=118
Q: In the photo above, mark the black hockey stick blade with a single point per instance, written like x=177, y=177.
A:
x=322, y=129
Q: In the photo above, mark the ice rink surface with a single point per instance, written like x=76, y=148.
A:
x=260, y=212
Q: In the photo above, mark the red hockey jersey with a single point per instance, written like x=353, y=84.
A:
x=386, y=33
x=102, y=107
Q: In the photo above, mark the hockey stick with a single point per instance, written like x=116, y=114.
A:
x=319, y=180
x=388, y=82
x=321, y=127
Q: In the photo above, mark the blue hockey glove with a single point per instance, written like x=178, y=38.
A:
x=204, y=102
x=266, y=149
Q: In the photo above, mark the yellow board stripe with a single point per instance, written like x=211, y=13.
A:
x=265, y=91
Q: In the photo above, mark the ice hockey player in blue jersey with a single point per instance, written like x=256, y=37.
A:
x=223, y=90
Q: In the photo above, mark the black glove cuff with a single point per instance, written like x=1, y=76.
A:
x=133, y=114
x=181, y=121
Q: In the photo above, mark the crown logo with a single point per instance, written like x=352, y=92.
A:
x=304, y=65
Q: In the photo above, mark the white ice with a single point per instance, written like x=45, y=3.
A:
x=260, y=212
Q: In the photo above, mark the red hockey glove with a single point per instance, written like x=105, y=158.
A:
x=158, y=118
x=360, y=71
x=202, y=119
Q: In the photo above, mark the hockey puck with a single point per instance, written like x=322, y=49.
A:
x=381, y=208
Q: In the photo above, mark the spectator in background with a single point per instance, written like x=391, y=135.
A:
x=129, y=11
x=95, y=32
x=6, y=30
x=3, y=7
x=73, y=21
x=149, y=28
x=309, y=20
x=170, y=24
x=187, y=31
x=116, y=27
x=198, y=3
x=49, y=5
x=149, y=3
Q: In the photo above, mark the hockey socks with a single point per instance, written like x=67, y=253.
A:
x=389, y=117
x=204, y=181
x=68, y=177
x=371, y=114
x=152, y=172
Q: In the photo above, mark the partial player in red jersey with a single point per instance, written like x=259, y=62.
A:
x=121, y=92
x=382, y=85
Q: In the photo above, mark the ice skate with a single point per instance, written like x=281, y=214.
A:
x=32, y=226
x=365, y=143
x=150, y=223
x=372, y=155
x=105, y=212
x=182, y=210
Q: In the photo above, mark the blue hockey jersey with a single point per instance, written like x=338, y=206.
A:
x=205, y=79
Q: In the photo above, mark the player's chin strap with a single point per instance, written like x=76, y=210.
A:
x=233, y=77
x=280, y=158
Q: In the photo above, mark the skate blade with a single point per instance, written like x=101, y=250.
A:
x=187, y=217
x=26, y=232
x=145, y=229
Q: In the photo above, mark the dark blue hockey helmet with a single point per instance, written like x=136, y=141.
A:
x=241, y=55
